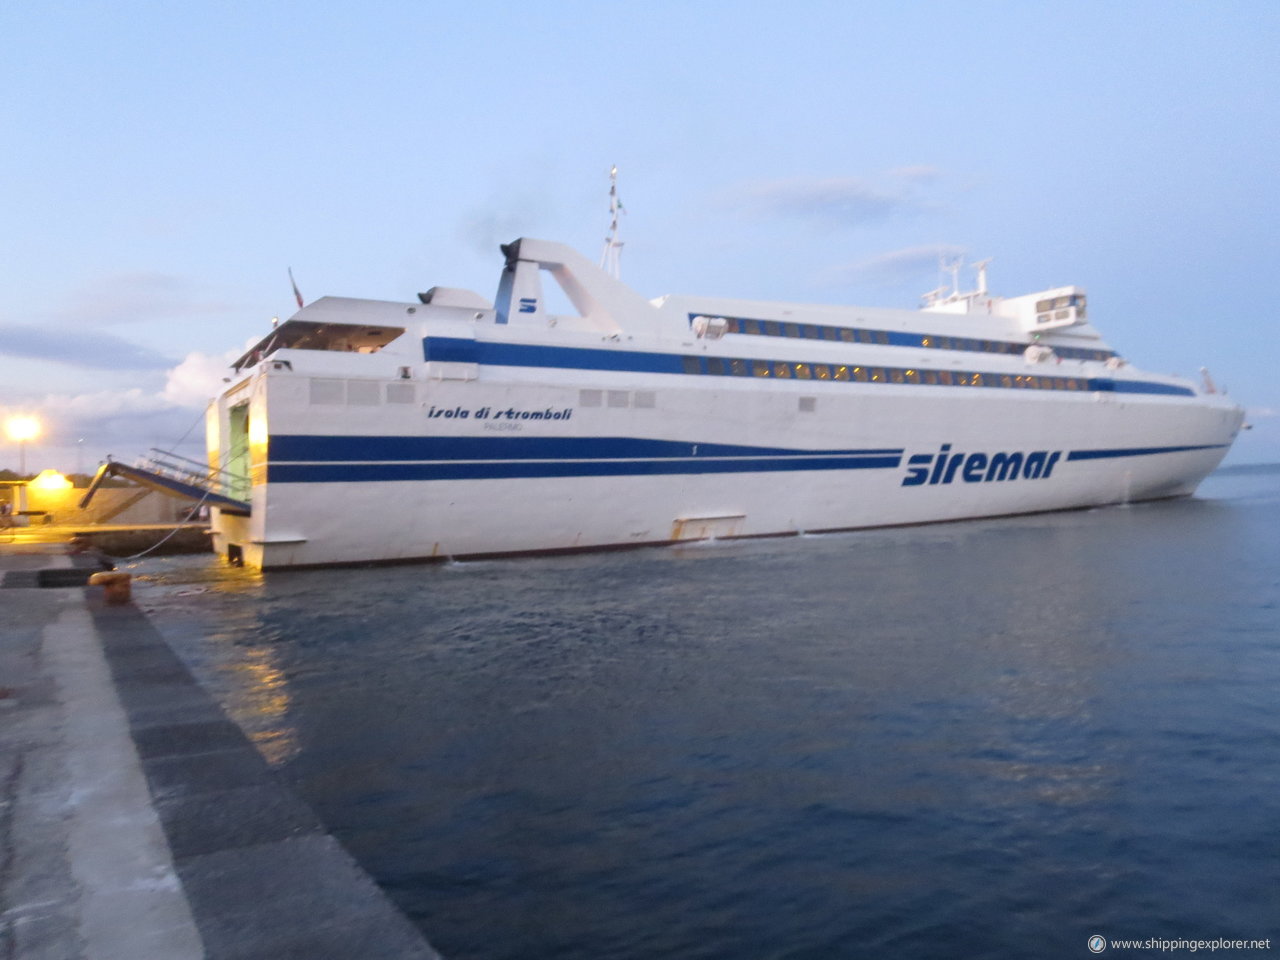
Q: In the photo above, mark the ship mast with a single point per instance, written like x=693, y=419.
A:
x=610, y=260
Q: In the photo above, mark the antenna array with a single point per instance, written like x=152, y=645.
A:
x=610, y=260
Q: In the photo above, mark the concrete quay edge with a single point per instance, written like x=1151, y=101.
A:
x=136, y=819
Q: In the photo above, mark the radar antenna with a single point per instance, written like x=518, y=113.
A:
x=610, y=260
x=952, y=267
x=981, y=267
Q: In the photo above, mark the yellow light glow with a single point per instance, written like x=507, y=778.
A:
x=22, y=428
x=50, y=480
x=257, y=432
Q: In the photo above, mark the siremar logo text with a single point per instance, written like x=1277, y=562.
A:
x=942, y=467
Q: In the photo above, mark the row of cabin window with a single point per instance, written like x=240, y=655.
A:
x=813, y=331
x=782, y=370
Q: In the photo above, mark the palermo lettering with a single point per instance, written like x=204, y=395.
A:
x=944, y=466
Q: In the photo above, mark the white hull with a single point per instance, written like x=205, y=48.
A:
x=669, y=457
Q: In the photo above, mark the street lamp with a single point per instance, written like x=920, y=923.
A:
x=21, y=429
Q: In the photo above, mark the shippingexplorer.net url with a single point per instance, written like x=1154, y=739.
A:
x=1099, y=944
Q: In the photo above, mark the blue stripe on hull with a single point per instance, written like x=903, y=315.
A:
x=527, y=469
x=331, y=448
x=1137, y=451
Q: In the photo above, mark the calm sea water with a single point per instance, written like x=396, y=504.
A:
x=988, y=739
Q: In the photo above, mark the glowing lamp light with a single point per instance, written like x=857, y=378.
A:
x=50, y=480
x=22, y=429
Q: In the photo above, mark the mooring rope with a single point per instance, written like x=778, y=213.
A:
x=168, y=536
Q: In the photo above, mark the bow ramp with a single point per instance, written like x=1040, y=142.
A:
x=174, y=476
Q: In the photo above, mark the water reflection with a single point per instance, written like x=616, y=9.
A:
x=242, y=660
x=258, y=699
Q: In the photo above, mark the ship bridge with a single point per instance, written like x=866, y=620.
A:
x=315, y=335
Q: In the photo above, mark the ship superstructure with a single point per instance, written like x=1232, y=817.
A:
x=362, y=431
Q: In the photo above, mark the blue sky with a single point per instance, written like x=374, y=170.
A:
x=164, y=164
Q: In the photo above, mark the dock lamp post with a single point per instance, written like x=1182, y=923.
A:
x=21, y=429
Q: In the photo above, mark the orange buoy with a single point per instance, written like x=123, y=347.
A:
x=115, y=586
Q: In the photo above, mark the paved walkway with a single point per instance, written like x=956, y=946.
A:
x=136, y=820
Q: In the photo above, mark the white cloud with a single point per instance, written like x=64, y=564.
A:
x=846, y=200
x=916, y=173
x=130, y=420
x=90, y=408
x=197, y=379
x=841, y=201
x=188, y=386
x=899, y=266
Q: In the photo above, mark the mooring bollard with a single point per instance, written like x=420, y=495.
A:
x=115, y=586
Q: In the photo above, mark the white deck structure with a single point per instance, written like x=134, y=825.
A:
x=363, y=430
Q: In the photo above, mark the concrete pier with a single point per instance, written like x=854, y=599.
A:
x=116, y=539
x=136, y=820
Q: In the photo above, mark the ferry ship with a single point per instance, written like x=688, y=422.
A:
x=363, y=431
